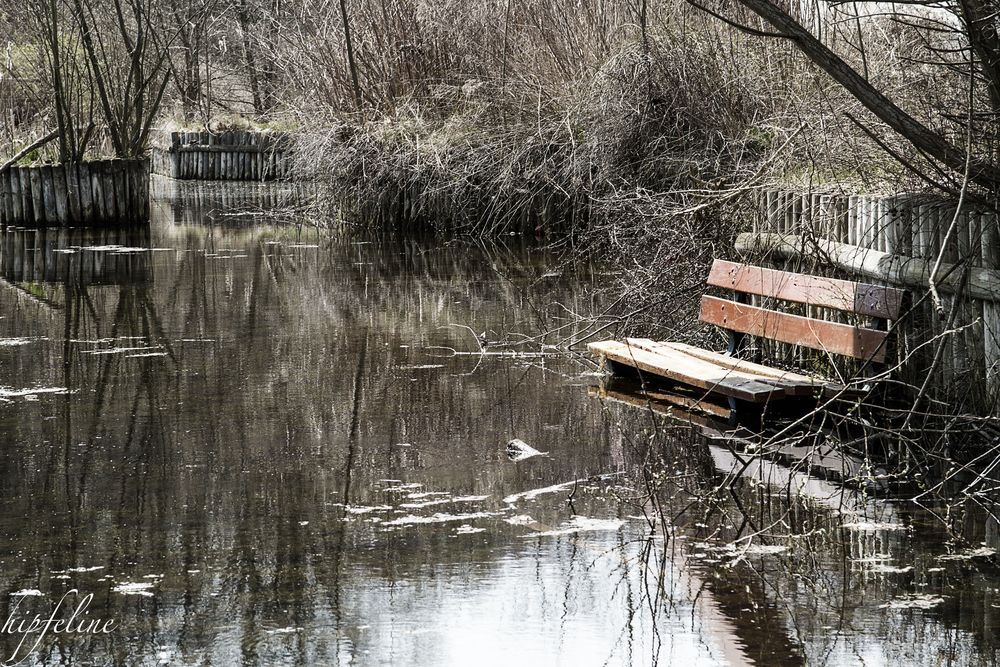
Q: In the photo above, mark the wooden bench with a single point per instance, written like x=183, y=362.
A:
x=708, y=372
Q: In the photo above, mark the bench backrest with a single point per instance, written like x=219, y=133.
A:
x=865, y=300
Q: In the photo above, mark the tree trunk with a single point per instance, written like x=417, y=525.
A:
x=923, y=139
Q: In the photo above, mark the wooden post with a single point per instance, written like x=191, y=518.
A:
x=27, y=198
x=245, y=157
x=991, y=309
x=96, y=192
x=226, y=157
x=37, y=202
x=6, y=197
x=173, y=156
x=48, y=195
x=203, y=156
x=86, y=192
x=58, y=176
x=73, y=191
x=17, y=212
x=111, y=211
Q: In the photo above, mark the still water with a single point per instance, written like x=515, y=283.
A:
x=259, y=444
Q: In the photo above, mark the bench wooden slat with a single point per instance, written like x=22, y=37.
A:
x=829, y=388
x=801, y=386
x=666, y=398
x=861, y=298
x=857, y=342
x=682, y=368
x=662, y=404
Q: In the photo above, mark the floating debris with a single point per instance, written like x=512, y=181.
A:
x=872, y=526
x=981, y=552
x=914, y=601
x=28, y=592
x=14, y=342
x=366, y=509
x=6, y=392
x=427, y=503
x=111, y=248
x=582, y=524
x=519, y=450
x=134, y=588
x=426, y=494
x=466, y=529
x=520, y=520
x=411, y=519
x=443, y=501
x=123, y=350
x=534, y=493
x=404, y=487
x=885, y=568
x=765, y=549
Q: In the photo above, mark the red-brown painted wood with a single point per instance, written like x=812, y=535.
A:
x=857, y=342
x=861, y=298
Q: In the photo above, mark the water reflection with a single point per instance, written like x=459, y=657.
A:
x=261, y=445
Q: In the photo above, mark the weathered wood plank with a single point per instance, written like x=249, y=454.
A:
x=791, y=387
x=857, y=342
x=71, y=172
x=846, y=295
x=687, y=370
x=666, y=404
x=797, y=383
x=61, y=194
x=51, y=216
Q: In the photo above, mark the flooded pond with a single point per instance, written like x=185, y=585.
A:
x=254, y=444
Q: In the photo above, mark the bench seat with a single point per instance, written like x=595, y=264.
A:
x=730, y=376
x=712, y=372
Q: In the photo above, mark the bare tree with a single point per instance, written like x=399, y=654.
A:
x=53, y=75
x=975, y=28
x=128, y=62
x=189, y=20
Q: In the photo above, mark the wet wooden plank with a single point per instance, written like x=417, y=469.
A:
x=793, y=383
x=861, y=298
x=662, y=404
x=833, y=337
x=829, y=387
x=682, y=368
x=670, y=398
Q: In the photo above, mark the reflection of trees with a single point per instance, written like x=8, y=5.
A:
x=284, y=393
x=285, y=389
x=821, y=600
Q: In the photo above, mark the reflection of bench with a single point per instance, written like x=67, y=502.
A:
x=870, y=306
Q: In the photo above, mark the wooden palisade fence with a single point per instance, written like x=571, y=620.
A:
x=899, y=241
x=75, y=193
x=225, y=156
